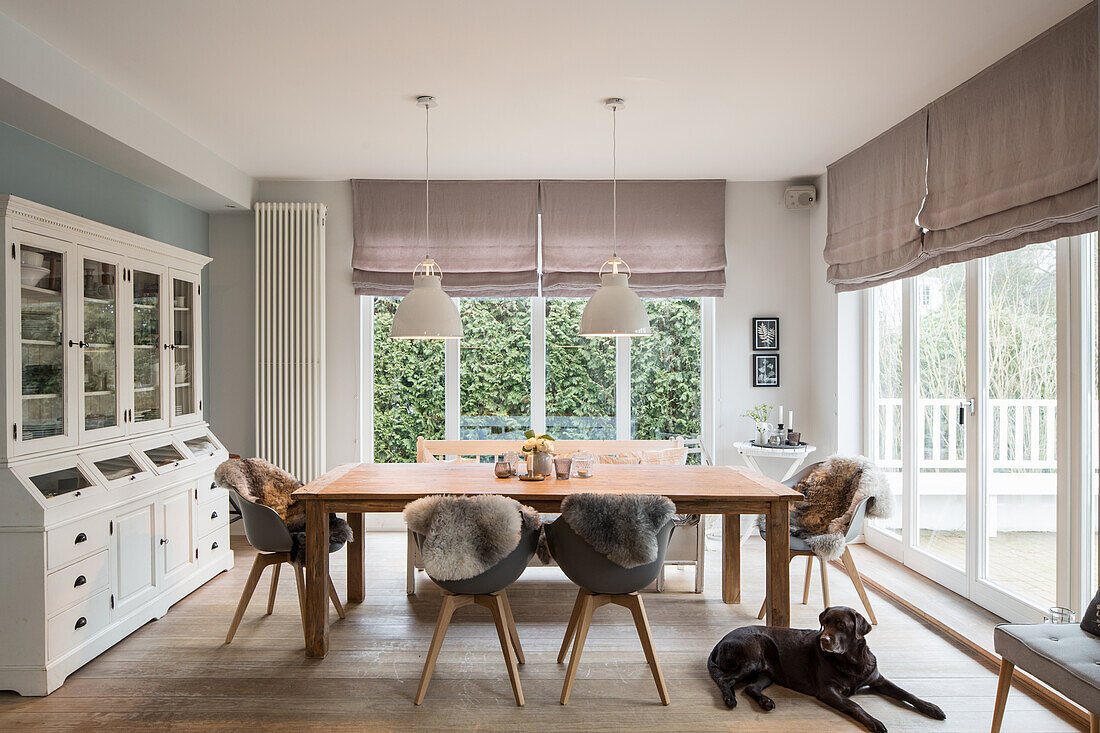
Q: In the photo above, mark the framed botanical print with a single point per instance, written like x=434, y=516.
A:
x=765, y=334
x=765, y=370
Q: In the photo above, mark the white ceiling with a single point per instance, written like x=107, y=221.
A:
x=736, y=89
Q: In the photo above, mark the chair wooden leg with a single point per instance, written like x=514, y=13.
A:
x=300, y=582
x=809, y=575
x=335, y=599
x=513, y=632
x=410, y=565
x=637, y=610
x=450, y=603
x=258, y=566
x=571, y=629
x=850, y=566
x=496, y=606
x=1094, y=723
x=274, y=588
x=1004, y=684
x=588, y=605
x=763, y=609
x=824, y=581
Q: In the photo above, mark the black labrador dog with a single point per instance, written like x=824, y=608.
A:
x=832, y=664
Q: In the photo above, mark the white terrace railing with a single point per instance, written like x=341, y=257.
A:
x=1023, y=434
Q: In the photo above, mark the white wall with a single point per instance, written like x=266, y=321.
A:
x=768, y=274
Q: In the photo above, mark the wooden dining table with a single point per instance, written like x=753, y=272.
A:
x=356, y=488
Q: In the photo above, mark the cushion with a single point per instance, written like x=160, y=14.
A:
x=1061, y=655
x=665, y=457
x=625, y=458
x=1090, y=619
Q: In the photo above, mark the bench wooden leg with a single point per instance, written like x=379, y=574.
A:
x=1004, y=684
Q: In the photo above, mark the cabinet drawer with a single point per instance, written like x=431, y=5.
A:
x=213, y=545
x=69, y=629
x=75, y=540
x=77, y=582
x=206, y=489
x=211, y=514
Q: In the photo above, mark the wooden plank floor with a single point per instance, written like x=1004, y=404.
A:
x=176, y=674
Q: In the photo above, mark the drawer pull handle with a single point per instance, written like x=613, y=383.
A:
x=213, y=515
x=214, y=546
x=81, y=538
x=213, y=486
x=80, y=580
x=81, y=622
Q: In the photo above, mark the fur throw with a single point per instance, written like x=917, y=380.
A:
x=833, y=492
x=264, y=483
x=466, y=535
x=621, y=527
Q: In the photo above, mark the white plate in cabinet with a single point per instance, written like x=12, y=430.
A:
x=69, y=629
x=211, y=514
x=77, y=582
x=75, y=540
x=213, y=545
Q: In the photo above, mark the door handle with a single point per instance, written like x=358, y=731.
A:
x=965, y=407
x=72, y=343
x=164, y=540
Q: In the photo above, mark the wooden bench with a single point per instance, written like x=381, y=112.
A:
x=686, y=546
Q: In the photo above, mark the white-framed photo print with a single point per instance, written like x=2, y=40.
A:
x=765, y=334
x=765, y=370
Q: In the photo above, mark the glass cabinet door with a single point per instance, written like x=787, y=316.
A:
x=100, y=404
x=149, y=384
x=43, y=348
x=183, y=347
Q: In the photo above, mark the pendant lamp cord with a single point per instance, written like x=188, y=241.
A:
x=614, y=183
x=427, y=200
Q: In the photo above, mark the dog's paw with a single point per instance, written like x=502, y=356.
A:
x=766, y=703
x=730, y=700
x=933, y=711
x=876, y=726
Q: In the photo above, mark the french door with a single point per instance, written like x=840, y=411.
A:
x=981, y=411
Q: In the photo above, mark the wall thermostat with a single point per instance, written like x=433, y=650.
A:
x=800, y=197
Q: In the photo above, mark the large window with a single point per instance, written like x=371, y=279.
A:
x=974, y=370
x=585, y=389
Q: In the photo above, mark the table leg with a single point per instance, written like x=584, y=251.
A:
x=731, y=558
x=779, y=573
x=356, y=590
x=316, y=605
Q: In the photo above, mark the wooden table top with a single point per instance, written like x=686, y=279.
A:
x=389, y=486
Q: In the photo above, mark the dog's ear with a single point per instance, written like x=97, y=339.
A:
x=821, y=617
x=862, y=625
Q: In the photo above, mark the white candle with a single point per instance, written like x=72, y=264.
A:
x=780, y=413
x=790, y=420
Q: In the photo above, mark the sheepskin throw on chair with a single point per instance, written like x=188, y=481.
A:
x=264, y=483
x=622, y=528
x=833, y=492
x=463, y=536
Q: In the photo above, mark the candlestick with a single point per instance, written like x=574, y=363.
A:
x=790, y=420
x=780, y=414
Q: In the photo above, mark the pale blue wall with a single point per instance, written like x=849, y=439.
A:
x=36, y=170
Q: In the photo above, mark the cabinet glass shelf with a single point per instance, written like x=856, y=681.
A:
x=63, y=481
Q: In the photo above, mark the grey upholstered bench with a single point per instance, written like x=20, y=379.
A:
x=1062, y=655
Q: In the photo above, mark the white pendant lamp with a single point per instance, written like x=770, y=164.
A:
x=426, y=312
x=615, y=309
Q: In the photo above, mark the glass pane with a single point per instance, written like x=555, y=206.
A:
x=147, y=346
x=941, y=441
x=495, y=368
x=201, y=446
x=60, y=482
x=41, y=318
x=580, y=376
x=1021, y=491
x=164, y=454
x=666, y=372
x=886, y=432
x=100, y=363
x=408, y=389
x=183, y=342
x=118, y=467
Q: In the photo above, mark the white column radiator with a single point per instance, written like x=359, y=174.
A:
x=290, y=337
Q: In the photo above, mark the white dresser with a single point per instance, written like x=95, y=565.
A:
x=108, y=512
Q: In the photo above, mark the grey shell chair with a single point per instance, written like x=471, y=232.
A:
x=487, y=589
x=799, y=547
x=602, y=582
x=267, y=533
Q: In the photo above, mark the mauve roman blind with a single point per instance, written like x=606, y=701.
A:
x=484, y=235
x=671, y=234
x=1006, y=159
x=1012, y=152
